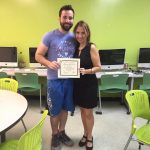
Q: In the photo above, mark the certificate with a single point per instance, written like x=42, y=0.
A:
x=69, y=68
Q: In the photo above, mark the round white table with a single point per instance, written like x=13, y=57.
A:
x=13, y=107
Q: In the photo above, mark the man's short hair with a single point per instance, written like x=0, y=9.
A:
x=66, y=7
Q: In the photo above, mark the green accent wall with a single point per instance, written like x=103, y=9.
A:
x=114, y=23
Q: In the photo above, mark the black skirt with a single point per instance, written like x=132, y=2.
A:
x=85, y=91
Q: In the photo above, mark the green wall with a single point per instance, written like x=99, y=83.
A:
x=114, y=23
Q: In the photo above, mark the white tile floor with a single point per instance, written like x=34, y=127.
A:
x=110, y=132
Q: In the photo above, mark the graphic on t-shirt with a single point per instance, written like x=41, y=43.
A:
x=65, y=49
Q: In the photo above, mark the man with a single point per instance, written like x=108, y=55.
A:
x=59, y=43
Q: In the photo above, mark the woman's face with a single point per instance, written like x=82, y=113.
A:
x=81, y=35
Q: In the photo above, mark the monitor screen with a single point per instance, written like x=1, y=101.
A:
x=112, y=58
x=8, y=57
x=144, y=58
x=32, y=61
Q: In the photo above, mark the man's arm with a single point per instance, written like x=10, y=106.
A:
x=40, y=57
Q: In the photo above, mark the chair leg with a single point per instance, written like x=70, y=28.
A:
x=140, y=144
x=41, y=111
x=24, y=125
x=99, y=106
x=128, y=109
x=126, y=104
x=122, y=97
x=3, y=137
x=127, y=144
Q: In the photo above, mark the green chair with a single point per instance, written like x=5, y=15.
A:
x=29, y=83
x=11, y=85
x=31, y=140
x=146, y=83
x=3, y=75
x=112, y=83
x=139, y=105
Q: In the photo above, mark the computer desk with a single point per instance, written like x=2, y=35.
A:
x=42, y=72
x=132, y=76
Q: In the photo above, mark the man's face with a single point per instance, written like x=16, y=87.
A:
x=66, y=20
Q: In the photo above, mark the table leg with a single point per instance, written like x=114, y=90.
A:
x=3, y=138
x=132, y=83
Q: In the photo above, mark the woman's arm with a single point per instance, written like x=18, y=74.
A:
x=95, y=59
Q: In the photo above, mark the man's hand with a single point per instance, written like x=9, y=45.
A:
x=54, y=65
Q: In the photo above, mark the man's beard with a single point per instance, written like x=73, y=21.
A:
x=66, y=28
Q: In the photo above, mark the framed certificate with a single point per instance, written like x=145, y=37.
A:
x=69, y=68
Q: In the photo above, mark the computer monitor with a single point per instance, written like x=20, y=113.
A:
x=144, y=58
x=112, y=58
x=32, y=62
x=8, y=57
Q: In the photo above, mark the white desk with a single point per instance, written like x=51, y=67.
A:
x=13, y=107
x=43, y=73
x=11, y=71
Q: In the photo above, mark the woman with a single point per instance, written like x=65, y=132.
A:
x=86, y=87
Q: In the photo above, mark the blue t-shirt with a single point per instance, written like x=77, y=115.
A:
x=59, y=45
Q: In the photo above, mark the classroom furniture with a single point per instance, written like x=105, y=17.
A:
x=42, y=72
x=11, y=85
x=3, y=75
x=13, y=107
x=29, y=83
x=112, y=83
x=31, y=140
x=8, y=84
x=139, y=105
x=146, y=82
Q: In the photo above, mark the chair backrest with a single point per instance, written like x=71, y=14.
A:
x=26, y=79
x=146, y=82
x=8, y=84
x=139, y=103
x=3, y=75
x=32, y=139
x=114, y=81
x=146, y=79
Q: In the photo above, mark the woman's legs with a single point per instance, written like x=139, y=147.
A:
x=88, y=123
x=83, y=121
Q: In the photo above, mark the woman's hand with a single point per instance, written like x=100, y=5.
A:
x=82, y=71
